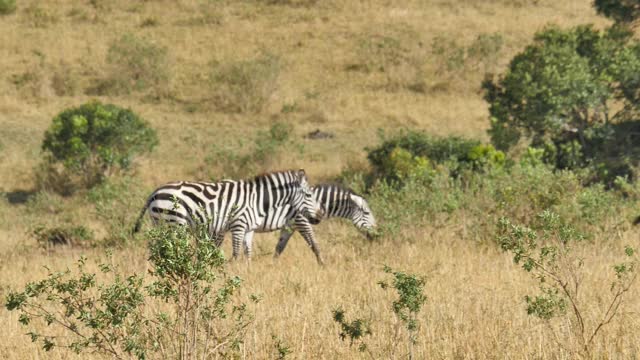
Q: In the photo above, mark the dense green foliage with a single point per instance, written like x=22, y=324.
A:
x=624, y=11
x=201, y=315
x=95, y=140
x=415, y=154
x=574, y=93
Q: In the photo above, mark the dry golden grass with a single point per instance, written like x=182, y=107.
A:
x=475, y=306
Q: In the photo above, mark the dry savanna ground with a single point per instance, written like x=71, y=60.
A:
x=345, y=67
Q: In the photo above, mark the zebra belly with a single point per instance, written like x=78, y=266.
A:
x=276, y=219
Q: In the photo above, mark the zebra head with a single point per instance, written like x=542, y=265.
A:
x=361, y=214
x=307, y=203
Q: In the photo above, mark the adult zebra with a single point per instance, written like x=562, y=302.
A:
x=335, y=201
x=241, y=207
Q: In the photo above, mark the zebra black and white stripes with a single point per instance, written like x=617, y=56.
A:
x=335, y=201
x=241, y=207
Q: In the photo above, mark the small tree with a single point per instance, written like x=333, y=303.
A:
x=547, y=253
x=575, y=93
x=95, y=140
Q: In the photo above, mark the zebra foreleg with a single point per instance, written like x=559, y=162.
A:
x=285, y=235
x=307, y=233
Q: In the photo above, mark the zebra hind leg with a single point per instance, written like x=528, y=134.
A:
x=237, y=238
x=307, y=233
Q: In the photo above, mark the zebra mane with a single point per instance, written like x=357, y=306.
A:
x=294, y=176
x=338, y=186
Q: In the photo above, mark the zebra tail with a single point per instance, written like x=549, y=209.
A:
x=636, y=221
x=138, y=224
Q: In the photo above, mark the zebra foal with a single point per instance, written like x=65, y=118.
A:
x=240, y=207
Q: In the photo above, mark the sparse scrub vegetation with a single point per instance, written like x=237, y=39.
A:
x=548, y=252
x=454, y=63
x=386, y=55
x=7, y=6
x=265, y=149
x=40, y=17
x=411, y=298
x=135, y=64
x=64, y=81
x=71, y=236
x=245, y=86
x=209, y=14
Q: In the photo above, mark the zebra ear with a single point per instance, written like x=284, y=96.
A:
x=302, y=174
x=356, y=199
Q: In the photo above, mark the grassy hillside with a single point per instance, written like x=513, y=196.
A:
x=345, y=67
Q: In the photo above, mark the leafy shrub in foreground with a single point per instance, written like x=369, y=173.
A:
x=94, y=140
x=410, y=290
x=196, y=314
x=547, y=252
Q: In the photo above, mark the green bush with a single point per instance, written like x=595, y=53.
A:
x=7, y=6
x=135, y=64
x=245, y=86
x=401, y=165
x=186, y=307
x=482, y=156
x=479, y=198
x=94, y=140
x=390, y=160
